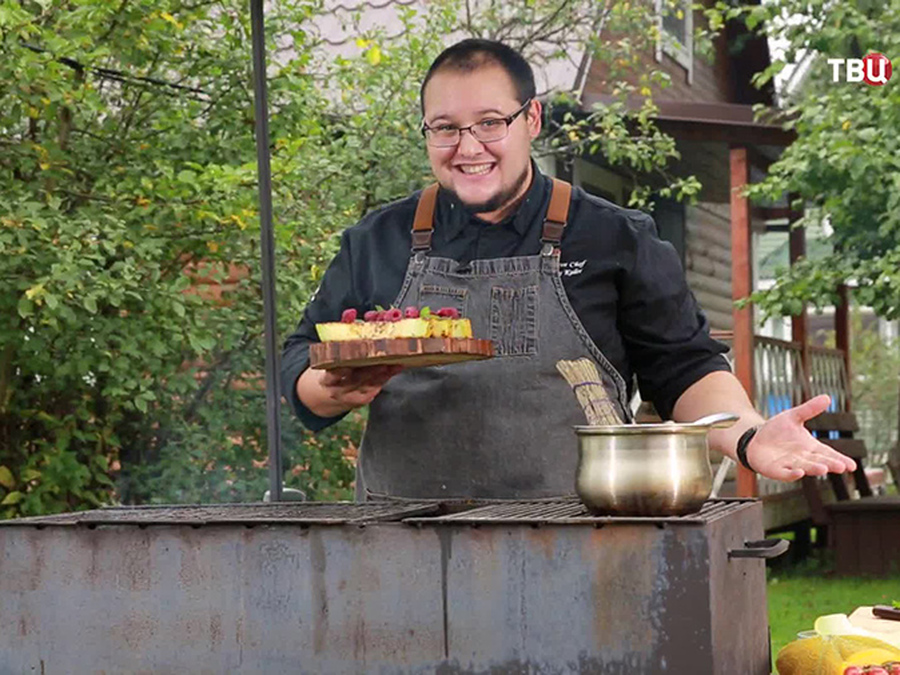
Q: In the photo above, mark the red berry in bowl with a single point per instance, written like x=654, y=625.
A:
x=393, y=314
x=411, y=313
x=348, y=316
x=448, y=313
x=853, y=670
x=371, y=315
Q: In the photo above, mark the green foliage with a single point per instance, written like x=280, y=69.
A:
x=876, y=384
x=845, y=166
x=130, y=309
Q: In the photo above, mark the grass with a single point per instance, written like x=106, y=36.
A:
x=799, y=593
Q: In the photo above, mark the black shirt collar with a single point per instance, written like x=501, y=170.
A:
x=453, y=217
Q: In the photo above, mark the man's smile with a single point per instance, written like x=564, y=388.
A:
x=476, y=169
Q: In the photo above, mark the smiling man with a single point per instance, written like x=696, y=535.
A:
x=497, y=234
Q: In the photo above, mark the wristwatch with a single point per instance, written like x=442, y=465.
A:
x=742, y=444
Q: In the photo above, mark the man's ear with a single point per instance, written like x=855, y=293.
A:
x=534, y=116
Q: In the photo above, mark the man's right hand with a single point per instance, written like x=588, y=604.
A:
x=328, y=393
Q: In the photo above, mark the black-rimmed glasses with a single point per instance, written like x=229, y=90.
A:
x=487, y=130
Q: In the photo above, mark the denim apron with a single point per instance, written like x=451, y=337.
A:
x=499, y=428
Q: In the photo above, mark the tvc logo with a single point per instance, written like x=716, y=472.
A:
x=874, y=69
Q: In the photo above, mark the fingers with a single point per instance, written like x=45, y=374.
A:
x=787, y=475
x=357, y=387
x=812, y=408
x=819, y=460
x=333, y=378
x=358, y=377
x=837, y=463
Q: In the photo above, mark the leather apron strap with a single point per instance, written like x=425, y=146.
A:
x=423, y=224
x=557, y=213
x=554, y=223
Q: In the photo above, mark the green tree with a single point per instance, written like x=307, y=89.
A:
x=876, y=365
x=130, y=311
x=844, y=167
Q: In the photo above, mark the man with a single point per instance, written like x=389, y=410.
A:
x=493, y=247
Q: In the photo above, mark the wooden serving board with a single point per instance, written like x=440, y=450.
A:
x=410, y=352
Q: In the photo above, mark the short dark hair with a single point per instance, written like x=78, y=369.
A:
x=474, y=53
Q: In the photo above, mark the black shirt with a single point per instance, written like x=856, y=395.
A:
x=625, y=284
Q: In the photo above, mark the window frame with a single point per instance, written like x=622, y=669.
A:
x=682, y=54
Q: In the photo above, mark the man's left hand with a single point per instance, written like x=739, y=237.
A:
x=784, y=449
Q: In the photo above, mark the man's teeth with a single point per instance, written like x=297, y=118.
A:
x=475, y=169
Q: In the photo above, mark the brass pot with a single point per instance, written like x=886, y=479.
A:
x=646, y=469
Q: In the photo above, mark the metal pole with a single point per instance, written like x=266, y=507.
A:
x=267, y=248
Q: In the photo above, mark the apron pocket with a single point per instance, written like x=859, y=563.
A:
x=436, y=297
x=514, y=323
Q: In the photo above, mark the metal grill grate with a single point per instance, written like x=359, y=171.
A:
x=312, y=513
x=564, y=511
x=571, y=512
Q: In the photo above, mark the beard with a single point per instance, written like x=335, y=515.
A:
x=503, y=198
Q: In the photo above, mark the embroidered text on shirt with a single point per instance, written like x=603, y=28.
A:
x=570, y=268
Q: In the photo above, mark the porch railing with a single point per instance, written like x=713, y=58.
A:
x=778, y=375
x=781, y=381
x=828, y=375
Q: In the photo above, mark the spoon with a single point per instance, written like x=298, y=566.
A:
x=721, y=420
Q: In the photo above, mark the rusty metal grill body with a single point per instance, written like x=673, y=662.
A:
x=423, y=587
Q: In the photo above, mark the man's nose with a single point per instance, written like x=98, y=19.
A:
x=468, y=144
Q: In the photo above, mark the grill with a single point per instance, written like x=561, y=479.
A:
x=315, y=513
x=506, y=587
x=570, y=512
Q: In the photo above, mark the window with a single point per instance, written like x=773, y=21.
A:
x=599, y=181
x=676, y=24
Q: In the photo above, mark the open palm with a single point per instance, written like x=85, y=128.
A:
x=784, y=449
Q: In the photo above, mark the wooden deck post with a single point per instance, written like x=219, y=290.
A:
x=842, y=336
x=741, y=287
x=799, y=325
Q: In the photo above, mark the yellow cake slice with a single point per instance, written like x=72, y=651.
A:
x=403, y=328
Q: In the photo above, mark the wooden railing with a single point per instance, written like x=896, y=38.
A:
x=778, y=375
x=781, y=381
x=828, y=375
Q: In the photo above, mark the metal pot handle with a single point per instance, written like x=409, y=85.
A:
x=766, y=548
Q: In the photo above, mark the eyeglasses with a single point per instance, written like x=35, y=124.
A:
x=486, y=131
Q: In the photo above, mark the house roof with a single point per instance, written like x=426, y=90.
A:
x=343, y=21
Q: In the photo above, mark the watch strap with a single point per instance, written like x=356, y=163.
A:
x=742, y=444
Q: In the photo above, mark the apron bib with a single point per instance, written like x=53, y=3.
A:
x=494, y=429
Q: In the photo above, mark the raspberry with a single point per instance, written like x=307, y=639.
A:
x=393, y=314
x=448, y=313
x=371, y=315
x=411, y=312
x=349, y=316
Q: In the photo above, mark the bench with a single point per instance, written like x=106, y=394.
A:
x=863, y=528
